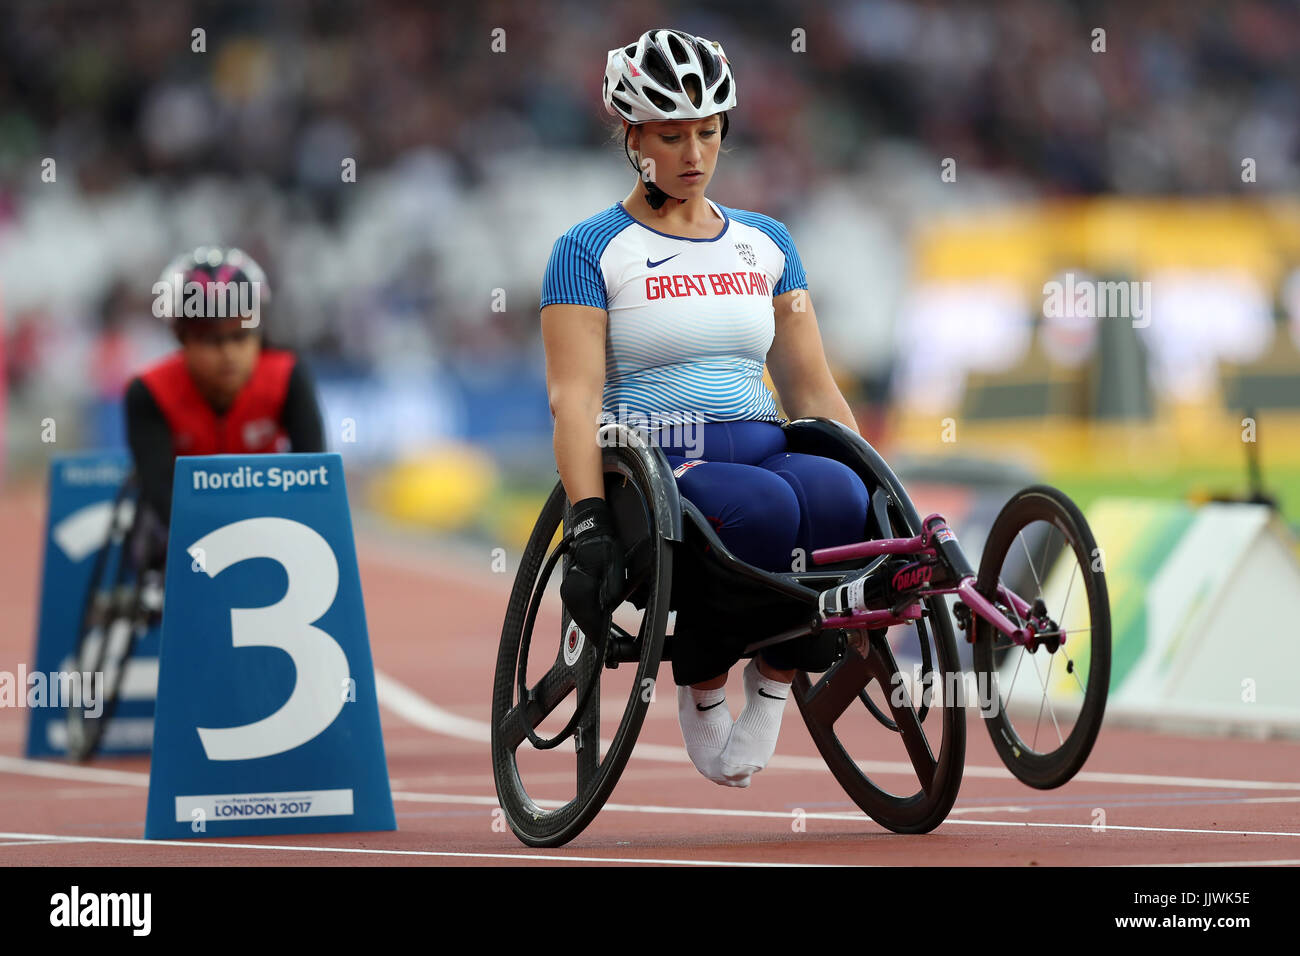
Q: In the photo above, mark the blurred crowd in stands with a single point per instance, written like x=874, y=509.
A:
x=478, y=135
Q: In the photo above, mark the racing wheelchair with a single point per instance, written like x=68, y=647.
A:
x=123, y=600
x=856, y=613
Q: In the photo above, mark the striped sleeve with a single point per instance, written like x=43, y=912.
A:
x=793, y=277
x=573, y=275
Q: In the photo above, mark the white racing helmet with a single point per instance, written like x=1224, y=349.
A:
x=645, y=81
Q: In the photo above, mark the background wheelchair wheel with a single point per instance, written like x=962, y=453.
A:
x=115, y=615
x=1044, y=709
x=930, y=743
x=564, y=665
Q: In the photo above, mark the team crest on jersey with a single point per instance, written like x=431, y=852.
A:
x=747, y=253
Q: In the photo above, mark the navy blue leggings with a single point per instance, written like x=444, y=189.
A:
x=763, y=501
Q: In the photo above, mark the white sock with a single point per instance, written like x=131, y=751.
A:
x=706, y=725
x=753, y=737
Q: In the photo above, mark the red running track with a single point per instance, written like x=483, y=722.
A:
x=1166, y=799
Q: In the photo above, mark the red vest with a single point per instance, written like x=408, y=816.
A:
x=251, y=425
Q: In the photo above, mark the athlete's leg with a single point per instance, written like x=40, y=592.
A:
x=833, y=505
x=753, y=510
x=832, y=510
x=833, y=500
x=756, y=515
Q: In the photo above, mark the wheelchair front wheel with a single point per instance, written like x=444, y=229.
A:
x=1045, y=702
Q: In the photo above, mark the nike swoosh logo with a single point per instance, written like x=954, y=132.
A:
x=711, y=706
x=651, y=265
x=762, y=693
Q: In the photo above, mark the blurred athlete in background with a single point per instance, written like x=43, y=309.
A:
x=224, y=390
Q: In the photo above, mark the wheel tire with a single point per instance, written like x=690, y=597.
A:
x=1045, y=770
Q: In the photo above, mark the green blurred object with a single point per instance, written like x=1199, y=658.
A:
x=1193, y=484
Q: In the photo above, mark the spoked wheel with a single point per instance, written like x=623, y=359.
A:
x=120, y=606
x=1043, y=703
x=553, y=772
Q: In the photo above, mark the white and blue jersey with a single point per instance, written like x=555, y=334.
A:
x=690, y=320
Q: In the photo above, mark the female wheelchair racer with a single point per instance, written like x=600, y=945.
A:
x=667, y=300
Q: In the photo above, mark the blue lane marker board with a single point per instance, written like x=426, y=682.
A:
x=267, y=718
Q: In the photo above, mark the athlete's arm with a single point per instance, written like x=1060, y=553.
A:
x=574, y=339
x=797, y=361
x=300, y=415
x=150, y=440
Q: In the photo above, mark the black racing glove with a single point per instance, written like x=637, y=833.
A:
x=595, y=577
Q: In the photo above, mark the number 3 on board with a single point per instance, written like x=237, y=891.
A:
x=320, y=665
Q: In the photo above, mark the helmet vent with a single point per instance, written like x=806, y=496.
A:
x=693, y=88
x=678, y=49
x=723, y=89
x=709, y=60
x=657, y=68
x=660, y=101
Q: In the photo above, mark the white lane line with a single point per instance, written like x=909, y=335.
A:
x=521, y=857
x=1267, y=800
x=5, y=844
x=1114, y=826
x=476, y=800
x=1143, y=779
x=1225, y=863
x=64, y=771
x=424, y=713
x=1021, y=808
x=409, y=797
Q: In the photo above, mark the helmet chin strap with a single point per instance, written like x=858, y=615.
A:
x=655, y=196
